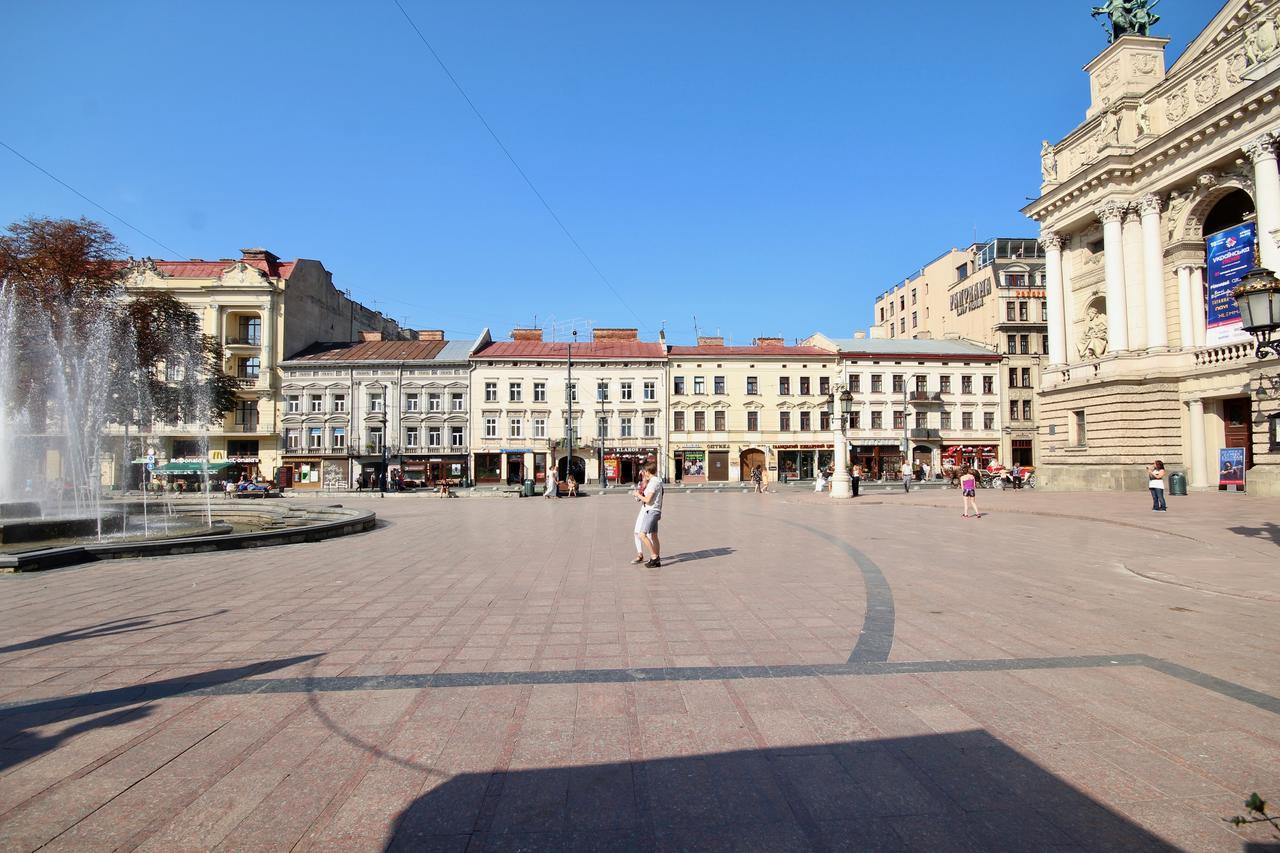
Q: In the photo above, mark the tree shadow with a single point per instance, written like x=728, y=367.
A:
x=961, y=791
x=1269, y=529
x=20, y=741
x=126, y=625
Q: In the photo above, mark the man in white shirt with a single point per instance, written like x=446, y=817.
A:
x=646, y=531
x=906, y=474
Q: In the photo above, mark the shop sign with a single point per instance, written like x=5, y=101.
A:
x=611, y=467
x=718, y=446
x=1029, y=294
x=802, y=447
x=1229, y=255
x=968, y=298
x=516, y=450
x=877, y=442
x=243, y=460
x=218, y=455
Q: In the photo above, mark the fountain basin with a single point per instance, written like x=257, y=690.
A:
x=43, y=529
x=19, y=509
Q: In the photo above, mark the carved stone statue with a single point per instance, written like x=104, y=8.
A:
x=1144, y=119
x=1048, y=162
x=1127, y=17
x=1260, y=41
x=1093, y=343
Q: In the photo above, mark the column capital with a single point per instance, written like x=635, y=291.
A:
x=1111, y=211
x=1261, y=147
x=1190, y=266
x=1051, y=241
x=1149, y=204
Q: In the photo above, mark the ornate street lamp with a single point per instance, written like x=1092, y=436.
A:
x=841, y=484
x=1258, y=299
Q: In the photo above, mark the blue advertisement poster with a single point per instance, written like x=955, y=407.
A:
x=1229, y=255
x=1231, y=467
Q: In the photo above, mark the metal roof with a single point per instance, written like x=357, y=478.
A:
x=929, y=347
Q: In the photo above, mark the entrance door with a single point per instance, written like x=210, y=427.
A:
x=515, y=469
x=572, y=465
x=749, y=460
x=718, y=466
x=1237, y=422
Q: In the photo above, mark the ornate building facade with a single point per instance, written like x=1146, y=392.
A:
x=1144, y=362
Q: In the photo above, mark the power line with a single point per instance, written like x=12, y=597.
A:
x=512, y=159
x=126, y=222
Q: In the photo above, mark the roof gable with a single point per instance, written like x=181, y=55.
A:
x=1222, y=27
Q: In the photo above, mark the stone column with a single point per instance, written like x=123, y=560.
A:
x=841, y=483
x=1153, y=273
x=1186, y=325
x=1199, y=320
x=1135, y=286
x=1111, y=215
x=267, y=360
x=1196, y=477
x=1266, y=182
x=1053, y=294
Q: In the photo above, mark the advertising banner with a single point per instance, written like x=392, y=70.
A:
x=1231, y=467
x=694, y=468
x=1229, y=255
x=611, y=468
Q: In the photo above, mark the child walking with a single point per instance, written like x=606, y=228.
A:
x=969, y=488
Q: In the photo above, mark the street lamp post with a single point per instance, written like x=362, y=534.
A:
x=604, y=480
x=841, y=483
x=1258, y=300
x=568, y=417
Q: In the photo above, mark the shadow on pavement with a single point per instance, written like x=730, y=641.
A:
x=1268, y=530
x=20, y=742
x=962, y=791
x=704, y=554
x=106, y=629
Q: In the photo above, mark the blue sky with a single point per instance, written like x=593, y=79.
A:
x=765, y=167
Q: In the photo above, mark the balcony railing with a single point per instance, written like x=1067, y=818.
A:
x=242, y=341
x=925, y=397
x=922, y=432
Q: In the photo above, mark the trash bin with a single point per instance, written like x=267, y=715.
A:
x=528, y=488
x=1178, y=483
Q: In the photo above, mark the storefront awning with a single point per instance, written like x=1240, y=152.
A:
x=191, y=468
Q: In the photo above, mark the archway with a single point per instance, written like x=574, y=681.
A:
x=748, y=460
x=1234, y=208
x=575, y=465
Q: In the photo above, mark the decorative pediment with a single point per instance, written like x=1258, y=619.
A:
x=240, y=274
x=1248, y=17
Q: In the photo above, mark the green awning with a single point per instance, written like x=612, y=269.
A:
x=191, y=468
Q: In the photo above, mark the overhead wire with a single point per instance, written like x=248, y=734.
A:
x=110, y=213
x=516, y=165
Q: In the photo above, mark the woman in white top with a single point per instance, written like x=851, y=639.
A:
x=1155, y=481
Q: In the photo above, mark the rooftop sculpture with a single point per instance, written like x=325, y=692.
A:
x=1127, y=17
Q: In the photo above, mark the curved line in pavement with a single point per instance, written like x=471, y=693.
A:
x=876, y=640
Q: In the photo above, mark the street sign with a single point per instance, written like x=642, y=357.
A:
x=151, y=458
x=151, y=466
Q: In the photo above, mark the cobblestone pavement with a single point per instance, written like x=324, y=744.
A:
x=1067, y=672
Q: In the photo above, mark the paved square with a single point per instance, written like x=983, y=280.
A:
x=1068, y=671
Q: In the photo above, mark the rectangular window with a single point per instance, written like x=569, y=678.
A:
x=902, y=325
x=699, y=384
x=1044, y=312
x=677, y=385
x=1044, y=344
x=433, y=436
x=650, y=391
x=1026, y=377
x=877, y=420
x=914, y=321
x=339, y=402
x=784, y=421
x=602, y=427
x=753, y=386
x=249, y=368
x=784, y=385
x=455, y=402
x=410, y=436
x=1024, y=344
x=515, y=392
x=877, y=383
x=1012, y=341
x=411, y=402
x=491, y=392
x=699, y=421
x=1022, y=311
x=988, y=420
x=855, y=420
x=824, y=420
x=944, y=383
x=455, y=437
x=602, y=391
x=719, y=419
x=247, y=415
x=317, y=403
x=804, y=386
x=573, y=392
x=945, y=420
x=966, y=420
x=291, y=439
x=375, y=402
x=899, y=419
x=898, y=383
x=1013, y=377
x=1026, y=410
x=1013, y=410
x=625, y=392
x=250, y=331
x=490, y=427
x=434, y=402
x=295, y=404
x=966, y=384
x=922, y=420
x=753, y=421
x=650, y=427
x=515, y=428
x=988, y=384
x=677, y=421
x=315, y=438
x=539, y=427
x=539, y=392
x=625, y=427
x=855, y=383
x=824, y=385
x=805, y=421
x=1008, y=311
x=922, y=384
x=1016, y=280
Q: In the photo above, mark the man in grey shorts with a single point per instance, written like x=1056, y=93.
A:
x=650, y=496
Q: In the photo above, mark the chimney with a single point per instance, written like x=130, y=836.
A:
x=526, y=335
x=258, y=255
x=367, y=335
x=710, y=341
x=431, y=334
x=857, y=336
x=615, y=334
x=768, y=342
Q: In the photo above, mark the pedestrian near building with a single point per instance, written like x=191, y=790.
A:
x=757, y=479
x=924, y=468
x=1155, y=481
x=969, y=489
x=856, y=476
x=906, y=475
x=553, y=486
x=646, y=529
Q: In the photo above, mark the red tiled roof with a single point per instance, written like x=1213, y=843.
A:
x=372, y=351
x=558, y=350
x=213, y=269
x=768, y=349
